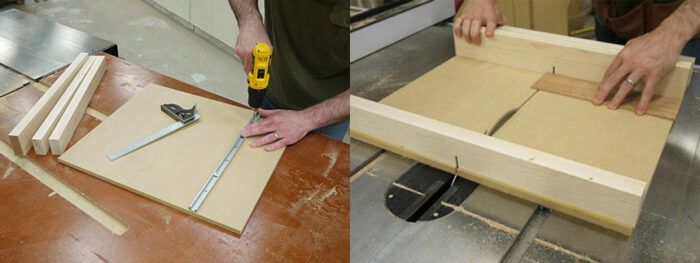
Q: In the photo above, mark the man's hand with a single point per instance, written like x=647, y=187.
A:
x=476, y=14
x=289, y=126
x=251, y=30
x=645, y=60
x=248, y=37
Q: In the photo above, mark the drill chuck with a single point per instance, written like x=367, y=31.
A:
x=255, y=97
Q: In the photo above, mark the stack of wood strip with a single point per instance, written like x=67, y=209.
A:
x=50, y=123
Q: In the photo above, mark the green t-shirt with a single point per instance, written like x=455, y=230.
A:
x=311, y=51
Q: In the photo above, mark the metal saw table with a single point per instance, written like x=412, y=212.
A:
x=301, y=216
x=490, y=226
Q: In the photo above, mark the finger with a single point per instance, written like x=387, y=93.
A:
x=624, y=89
x=267, y=113
x=465, y=30
x=267, y=139
x=608, y=84
x=248, y=63
x=647, y=95
x=279, y=144
x=475, y=31
x=457, y=26
x=259, y=128
x=490, y=28
x=616, y=63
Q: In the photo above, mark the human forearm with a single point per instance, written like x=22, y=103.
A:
x=328, y=111
x=683, y=24
x=246, y=12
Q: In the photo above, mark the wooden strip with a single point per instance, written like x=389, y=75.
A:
x=40, y=140
x=58, y=140
x=595, y=195
x=20, y=136
x=662, y=107
x=572, y=57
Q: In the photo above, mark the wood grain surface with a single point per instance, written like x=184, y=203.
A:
x=661, y=107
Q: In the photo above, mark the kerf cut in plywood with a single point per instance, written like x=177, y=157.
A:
x=40, y=140
x=587, y=192
x=20, y=136
x=173, y=169
x=466, y=92
x=61, y=134
x=572, y=57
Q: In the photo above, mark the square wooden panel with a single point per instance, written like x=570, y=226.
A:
x=173, y=169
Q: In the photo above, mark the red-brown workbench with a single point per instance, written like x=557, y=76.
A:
x=303, y=214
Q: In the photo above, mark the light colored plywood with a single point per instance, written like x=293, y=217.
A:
x=173, y=169
x=661, y=107
x=465, y=92
x=583, y=191
x=20, y=136
x=618, y=141
x=58, y=140
x=572, y=57
x=40, y=140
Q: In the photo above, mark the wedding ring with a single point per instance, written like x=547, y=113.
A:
x=277, y=137
x=634, y=83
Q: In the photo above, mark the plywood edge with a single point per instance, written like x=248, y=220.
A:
x=40, y=140
x=60, y=136
x=601, y=197
x=187, y=211
x=573, y=57
x=20, y=135
x=662, y=107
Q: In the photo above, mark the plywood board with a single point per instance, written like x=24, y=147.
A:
x=466, y=92
x=173, y=169
x=618, y=141
x=581, y=190
x=572, y=57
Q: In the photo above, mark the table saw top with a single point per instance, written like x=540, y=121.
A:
x=301, y=216
x=489, y=225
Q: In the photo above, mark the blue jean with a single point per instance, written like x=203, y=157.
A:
x=605, y=34
x=336, y=130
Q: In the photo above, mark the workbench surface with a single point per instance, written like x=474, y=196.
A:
x=491, y=226
x=303, y=214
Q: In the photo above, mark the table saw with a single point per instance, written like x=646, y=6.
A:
x=301, y=215
x=479, y=224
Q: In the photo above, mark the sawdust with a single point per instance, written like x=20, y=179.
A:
x=407, y=188
x=489, y=222
x=9, y=171
x=558, y=248
x=315, y=199
x=333, y=157
x=71, y=195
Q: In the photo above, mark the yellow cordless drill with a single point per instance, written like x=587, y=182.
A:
x=259, y=77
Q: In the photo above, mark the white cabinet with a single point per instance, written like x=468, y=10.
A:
x=213, y=17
